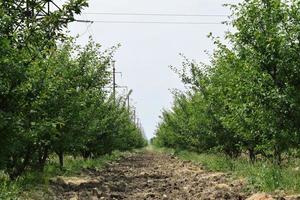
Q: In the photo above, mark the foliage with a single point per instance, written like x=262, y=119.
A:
x=247, y=99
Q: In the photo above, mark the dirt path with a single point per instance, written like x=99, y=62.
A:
x=151, y=175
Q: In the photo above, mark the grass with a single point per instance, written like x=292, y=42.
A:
x=261, y=176
x=35, y=185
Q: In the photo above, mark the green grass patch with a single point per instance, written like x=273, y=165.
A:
x=35, y=185
x=261, y=176
x=8, y=189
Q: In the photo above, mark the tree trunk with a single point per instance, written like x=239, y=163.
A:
x=43, y=155
x=61, y=159
x=252, y=156
x=277, y=156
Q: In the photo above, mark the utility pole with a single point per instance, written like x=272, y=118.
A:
x=134, y=115
x=114, y=79
x=128, y=103
x=35, y=10
x=128, y=99
x=48, y=8
x=114, y=84
x=139, y=123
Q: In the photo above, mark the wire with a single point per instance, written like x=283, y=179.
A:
x=157, y=22
x=86, y=30
x=89, y=26
x=83, y=21
x=155, y=14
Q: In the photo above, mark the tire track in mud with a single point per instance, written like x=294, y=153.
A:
x=150, y=175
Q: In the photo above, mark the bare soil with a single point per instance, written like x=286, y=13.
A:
x=150, y=175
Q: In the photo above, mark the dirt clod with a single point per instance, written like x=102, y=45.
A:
x=151, y=175
x=260, y=196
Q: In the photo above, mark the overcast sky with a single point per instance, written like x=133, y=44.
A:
x=148, y=50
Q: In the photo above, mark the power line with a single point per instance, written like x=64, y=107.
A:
x=155, y=14
x=154, y=22
x=83, y=21
x=86, y=30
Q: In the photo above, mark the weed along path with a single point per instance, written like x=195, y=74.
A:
x=150, y=175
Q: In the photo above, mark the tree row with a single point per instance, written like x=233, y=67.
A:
x=248, y=99
x=55, y=96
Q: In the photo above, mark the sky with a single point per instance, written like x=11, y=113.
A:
x=147, y=50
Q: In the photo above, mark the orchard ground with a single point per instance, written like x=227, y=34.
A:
x=149, y=174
